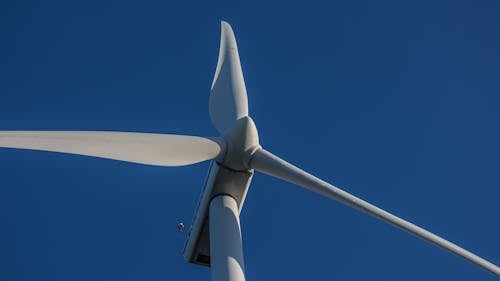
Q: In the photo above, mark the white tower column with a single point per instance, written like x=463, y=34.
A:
x=226, y=248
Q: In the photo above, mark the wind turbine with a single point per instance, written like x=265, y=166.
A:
x=214, y=237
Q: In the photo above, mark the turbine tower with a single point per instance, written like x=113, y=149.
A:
x=214, y=237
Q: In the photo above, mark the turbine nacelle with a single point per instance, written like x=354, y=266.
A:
x=230, y=174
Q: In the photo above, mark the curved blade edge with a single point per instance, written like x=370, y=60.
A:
x=142, y=148
x=272, y=165
x=228, y=95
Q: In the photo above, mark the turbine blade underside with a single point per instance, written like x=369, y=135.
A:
x=272, y=165
x=143, y=148
x=228, y=95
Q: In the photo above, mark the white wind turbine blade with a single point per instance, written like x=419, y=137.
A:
x=143, y=148
x=228, y=95
x=270, y=164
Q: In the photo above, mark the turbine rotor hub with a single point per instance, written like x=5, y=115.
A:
x=241, y=141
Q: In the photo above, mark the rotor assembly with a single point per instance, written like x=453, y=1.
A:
x=214, y=238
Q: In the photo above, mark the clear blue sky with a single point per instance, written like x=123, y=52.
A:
x=396, y=103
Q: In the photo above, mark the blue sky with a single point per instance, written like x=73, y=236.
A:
x=397, y=103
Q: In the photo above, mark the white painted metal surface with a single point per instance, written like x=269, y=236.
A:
x=220, y=181
x=143, y=148
x=226, y=246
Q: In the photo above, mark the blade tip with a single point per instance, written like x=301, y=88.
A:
x=225, y=24
x=226, y=29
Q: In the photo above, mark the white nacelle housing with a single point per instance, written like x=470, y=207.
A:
x=220, y=180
